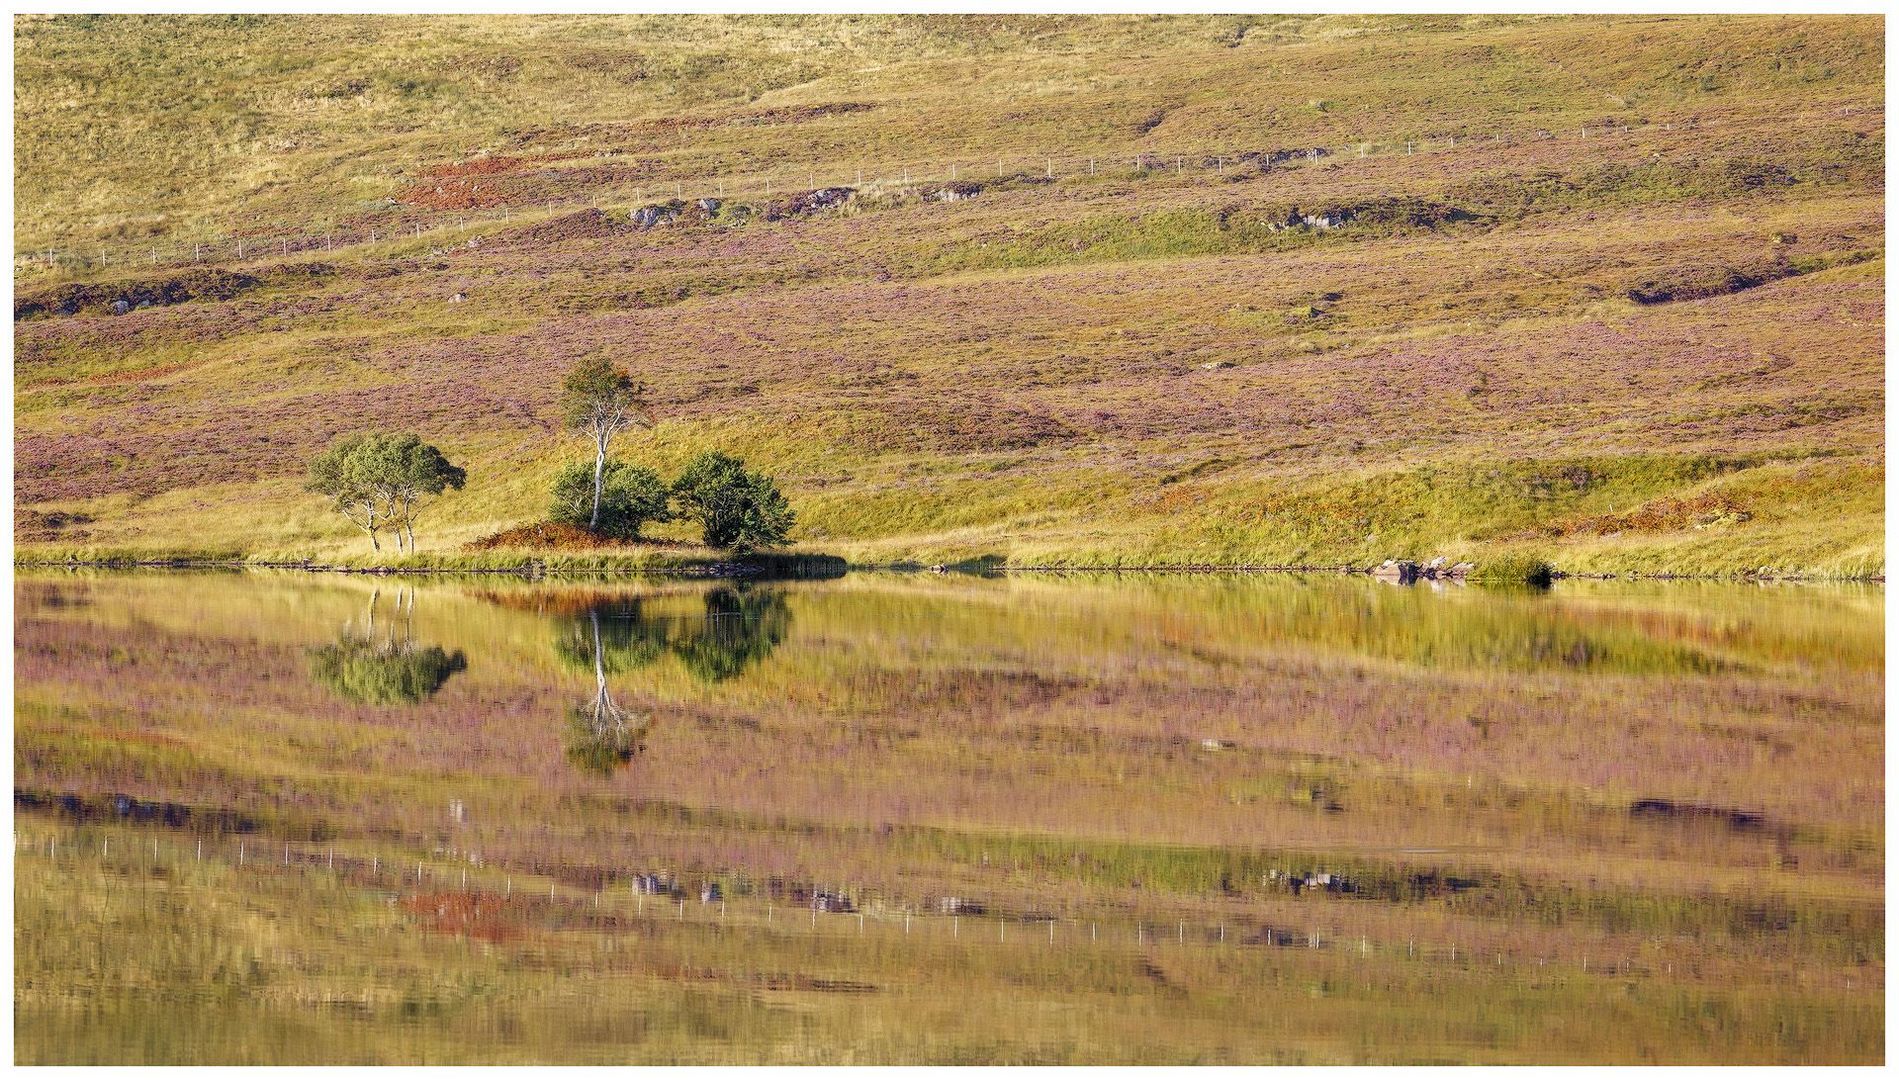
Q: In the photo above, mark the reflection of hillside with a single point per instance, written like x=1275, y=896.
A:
x=389, y=668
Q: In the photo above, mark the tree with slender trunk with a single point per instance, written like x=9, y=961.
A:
x=383, y=481
x=332, y=474
x=600, y=400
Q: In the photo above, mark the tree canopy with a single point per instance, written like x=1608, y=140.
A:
x=382, y=480
x=735, y=508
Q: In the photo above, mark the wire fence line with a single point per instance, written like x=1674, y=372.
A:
x=395, y=222
x=626, y=896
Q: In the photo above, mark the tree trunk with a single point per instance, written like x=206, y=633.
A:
x=374, y=544
x=599, y=474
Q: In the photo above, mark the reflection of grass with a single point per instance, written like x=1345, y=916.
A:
x=290, y=965
x=1117, y=369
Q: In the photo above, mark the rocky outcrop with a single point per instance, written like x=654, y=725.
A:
x=1386, y=212
x=120, y=298
x=809, y=202
x=1407, y=572
x=954, y=191
x=656, y=214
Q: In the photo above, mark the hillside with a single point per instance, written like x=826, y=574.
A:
x=1110, y=291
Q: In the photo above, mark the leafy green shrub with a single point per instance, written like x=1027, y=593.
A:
x=630, y=497
x=735, y=508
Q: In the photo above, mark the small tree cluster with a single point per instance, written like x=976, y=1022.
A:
x=733, y=506
x=383, y=481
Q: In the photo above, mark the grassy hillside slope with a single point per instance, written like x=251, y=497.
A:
x=1605, y=290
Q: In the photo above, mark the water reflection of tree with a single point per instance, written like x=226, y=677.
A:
x=602, y=736
x=387, y=668
x=738, y=628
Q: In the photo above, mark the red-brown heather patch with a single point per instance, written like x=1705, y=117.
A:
x=1661, y=515
x=588, y=224
x=547, y=535
x=482, y=916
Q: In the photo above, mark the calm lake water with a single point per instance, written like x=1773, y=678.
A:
x=267, y=818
